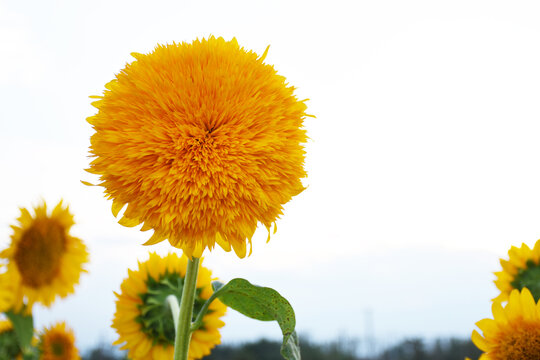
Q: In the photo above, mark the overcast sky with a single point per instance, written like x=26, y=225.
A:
x=423, y=161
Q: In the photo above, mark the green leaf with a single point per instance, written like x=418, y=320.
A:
x=262, y=303
x=23, y=326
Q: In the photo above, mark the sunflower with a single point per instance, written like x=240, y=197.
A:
x=203, y=141
x=58, y=343
x=44, y=260
x=144, y=321
x=521, y=270
x=514, y=331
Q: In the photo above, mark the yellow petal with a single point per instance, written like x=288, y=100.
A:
x=498, y=313
x=479, y=341
x=239, y=248
x=146, y=227
x=198, y=250
x=263, y=56
x=154, y=239
x=528, y=305
x=225, y=245
x=125, y=221
x=116, y=207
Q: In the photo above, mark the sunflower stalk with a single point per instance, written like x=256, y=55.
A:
x=183, y=328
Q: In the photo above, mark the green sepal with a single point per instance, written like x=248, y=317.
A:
x=528, y=277
x=262, y=303
x=23, y=326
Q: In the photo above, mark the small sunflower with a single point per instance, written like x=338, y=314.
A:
x=58, y=343
x=514, y=331
x=44, y=260
x=521, y=270
x=203, y=141
x=143, y=319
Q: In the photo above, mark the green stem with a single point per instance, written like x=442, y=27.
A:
x=199, y=320
x=183, y=333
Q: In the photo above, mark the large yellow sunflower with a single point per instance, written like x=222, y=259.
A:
x=44, y=260
x=521, y=270
x=58, y=343
x=144, y=321
x=514, y=331
x=202, y=140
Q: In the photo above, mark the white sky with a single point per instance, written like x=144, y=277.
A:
x=423, y=161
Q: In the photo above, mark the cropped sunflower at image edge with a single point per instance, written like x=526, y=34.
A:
x=514, y=331
x=43, y=260
x=144, y=322
x=521, y=270
x=202, y=141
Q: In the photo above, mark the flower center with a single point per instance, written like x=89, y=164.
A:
x=155, y=314
x=39, y=252
x=520, y=343
x=529, y=278
x=57, y=348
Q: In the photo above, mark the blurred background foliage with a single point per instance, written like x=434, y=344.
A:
x=348, y=349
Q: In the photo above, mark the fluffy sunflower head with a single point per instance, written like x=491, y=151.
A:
x=143, y=319
x=521, y=270
x=58, y=343
x=514, y=331
x=44, y=260
x=202, y=141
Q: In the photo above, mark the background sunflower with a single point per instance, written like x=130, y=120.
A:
x=143, y=319
x=514, y=331
x=44, y=260
x=58, y=343
x=521, y=270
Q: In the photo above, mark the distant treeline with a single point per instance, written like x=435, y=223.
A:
x=410, y=349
